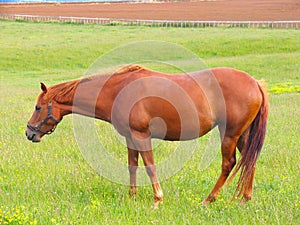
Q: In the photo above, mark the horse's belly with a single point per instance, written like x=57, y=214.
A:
x=179, y=130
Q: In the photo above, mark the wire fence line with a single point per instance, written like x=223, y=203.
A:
x=159, y=23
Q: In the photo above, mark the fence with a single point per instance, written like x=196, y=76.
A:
x=62, y=1
x=159, y=23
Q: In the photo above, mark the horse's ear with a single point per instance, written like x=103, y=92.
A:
x=43, y=87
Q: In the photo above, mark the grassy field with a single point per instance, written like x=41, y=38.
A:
x=51, y=183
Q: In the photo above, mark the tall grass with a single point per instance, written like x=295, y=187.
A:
x=51, y=183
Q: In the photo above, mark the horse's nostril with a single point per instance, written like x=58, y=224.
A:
x=30, y=137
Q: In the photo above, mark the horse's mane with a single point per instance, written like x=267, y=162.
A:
x=64, y=92
x=129, y=68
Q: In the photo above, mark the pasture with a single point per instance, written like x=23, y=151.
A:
x=51, y=183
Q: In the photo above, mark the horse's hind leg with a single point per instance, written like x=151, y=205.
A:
x=228, y=149
x=248, y=188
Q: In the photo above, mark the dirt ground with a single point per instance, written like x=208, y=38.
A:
x=187, y=10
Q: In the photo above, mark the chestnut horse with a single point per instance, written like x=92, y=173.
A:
x=142, y=104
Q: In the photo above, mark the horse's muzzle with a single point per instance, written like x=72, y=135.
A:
x=32, y=136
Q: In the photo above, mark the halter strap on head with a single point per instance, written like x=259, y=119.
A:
x=49, y=117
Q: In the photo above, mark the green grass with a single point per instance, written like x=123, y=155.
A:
x=67, y=50
x=51, y=183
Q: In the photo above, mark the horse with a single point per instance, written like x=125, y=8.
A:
x=143, y=104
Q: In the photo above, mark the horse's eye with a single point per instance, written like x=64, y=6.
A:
x=38, y=108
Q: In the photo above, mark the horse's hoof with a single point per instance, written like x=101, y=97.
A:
x=156, y=204
x=208, y=200
x=205, y=203
x=133, y=192
x=244, y=200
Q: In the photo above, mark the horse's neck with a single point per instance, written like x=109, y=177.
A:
x=89, y=99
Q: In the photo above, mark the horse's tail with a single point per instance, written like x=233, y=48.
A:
x=252, y=145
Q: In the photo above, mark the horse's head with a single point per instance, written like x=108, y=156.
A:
x=44, y=118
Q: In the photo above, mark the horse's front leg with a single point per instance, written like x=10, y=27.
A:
x=151, y=171
x=132, y=167
x=133, y=156
x=142, y=143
